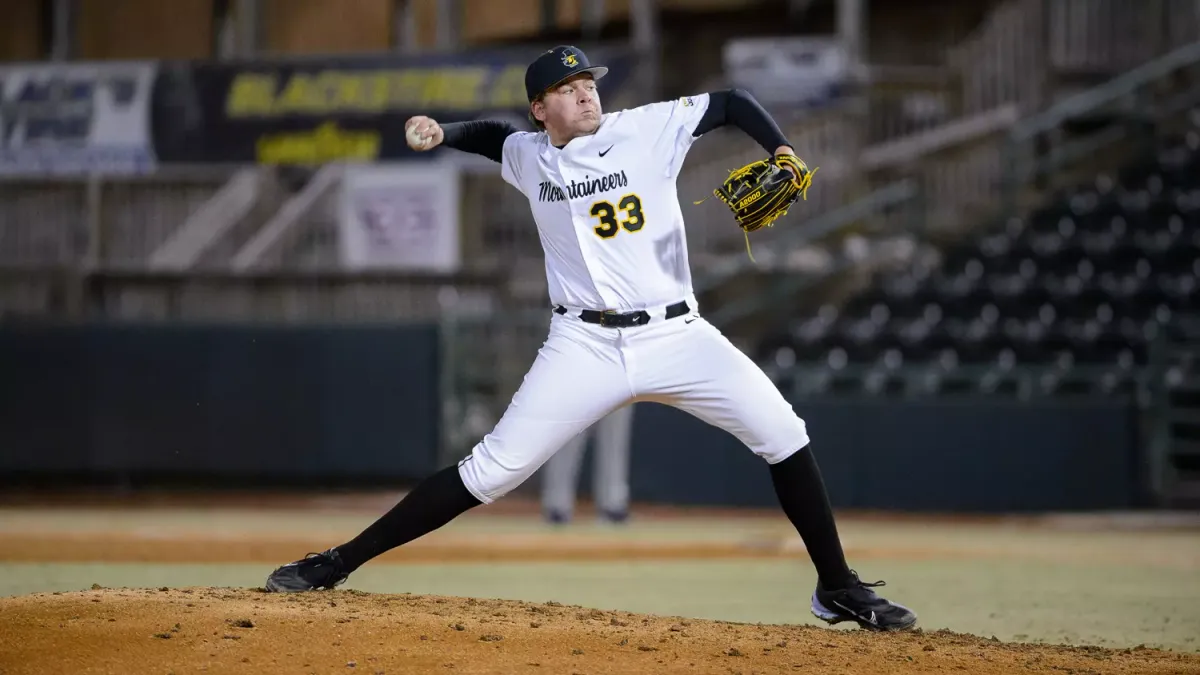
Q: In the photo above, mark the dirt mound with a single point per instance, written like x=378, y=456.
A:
x=218, y=630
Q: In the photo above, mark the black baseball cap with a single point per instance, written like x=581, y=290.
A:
x=556, y=65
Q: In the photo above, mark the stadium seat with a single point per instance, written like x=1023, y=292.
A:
x=1071, y=296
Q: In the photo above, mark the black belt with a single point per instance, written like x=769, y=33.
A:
x=627, y=320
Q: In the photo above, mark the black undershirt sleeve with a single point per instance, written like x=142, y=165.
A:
x=481, y=137
x=738, y=108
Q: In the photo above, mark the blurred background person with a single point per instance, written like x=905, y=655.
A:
x=610, y=471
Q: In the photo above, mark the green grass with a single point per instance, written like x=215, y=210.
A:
x=1072, y=581
x=1115, y=605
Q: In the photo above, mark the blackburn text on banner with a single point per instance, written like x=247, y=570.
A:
x=337, y=109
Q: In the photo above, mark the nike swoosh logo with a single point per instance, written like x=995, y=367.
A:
x=605, y=152
x=871, y=620
x=690, y=319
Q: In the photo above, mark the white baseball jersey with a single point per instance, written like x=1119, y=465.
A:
x=606, y=206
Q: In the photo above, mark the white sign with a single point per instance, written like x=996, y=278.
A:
x=400, y=216
x=76, y=118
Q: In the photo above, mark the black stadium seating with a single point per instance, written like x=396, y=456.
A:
x=1074, y=294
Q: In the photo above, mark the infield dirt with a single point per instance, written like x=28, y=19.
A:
x=226, y=630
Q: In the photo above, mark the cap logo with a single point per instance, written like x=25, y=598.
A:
x=569, y=59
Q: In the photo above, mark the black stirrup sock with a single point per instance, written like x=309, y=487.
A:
x=802, y=495
x=436, y=501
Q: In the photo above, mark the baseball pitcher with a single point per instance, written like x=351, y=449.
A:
x=624, y=324
x=610, y=472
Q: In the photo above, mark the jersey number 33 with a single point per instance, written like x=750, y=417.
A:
x=629, y=208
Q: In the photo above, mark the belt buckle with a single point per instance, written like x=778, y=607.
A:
x=604, y=317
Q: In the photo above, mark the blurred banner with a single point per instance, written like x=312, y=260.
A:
x=400, y=217
x=805, y=71
x=76, y=118
x=333, y=109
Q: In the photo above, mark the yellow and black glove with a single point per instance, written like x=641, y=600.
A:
x=761, y=192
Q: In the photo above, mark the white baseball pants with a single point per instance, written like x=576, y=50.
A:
x=585, y=371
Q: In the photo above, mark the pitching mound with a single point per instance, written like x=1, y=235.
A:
x=249, y=631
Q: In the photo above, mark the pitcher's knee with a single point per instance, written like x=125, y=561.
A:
x=788, y=439
x=489, y=479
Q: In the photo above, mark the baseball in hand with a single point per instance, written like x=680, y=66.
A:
x=417, y=139
x=422, y=133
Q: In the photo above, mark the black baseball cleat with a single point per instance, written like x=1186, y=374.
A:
x=860, y=604
x=315, y=570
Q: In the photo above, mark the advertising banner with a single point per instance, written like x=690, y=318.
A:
x=61, y=119
x=400, y=217
x=337, y=109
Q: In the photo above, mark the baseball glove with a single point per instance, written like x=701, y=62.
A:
x=761, y=192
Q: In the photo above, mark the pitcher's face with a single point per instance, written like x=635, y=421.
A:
x=571, y=109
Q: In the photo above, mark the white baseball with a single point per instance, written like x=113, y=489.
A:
x=417, y=140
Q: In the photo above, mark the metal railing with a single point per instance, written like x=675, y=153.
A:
x=905, y=100
x=165, y=247
x=1134, y=102
x=303, y=232
x=215, y=221
x=1113, y=91
x=98, y=220
x=1001, y=62
x=1027, y=52
x=1105, y=36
